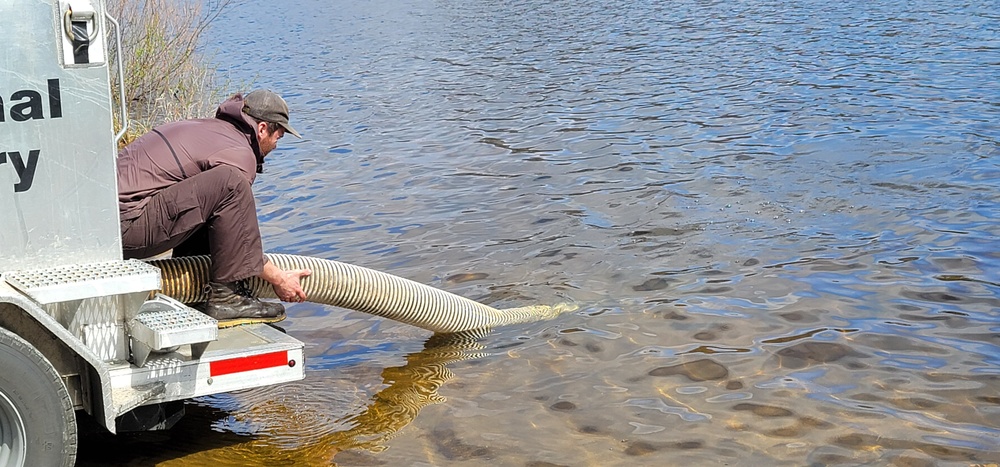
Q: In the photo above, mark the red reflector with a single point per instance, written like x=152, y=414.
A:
x=253, y=362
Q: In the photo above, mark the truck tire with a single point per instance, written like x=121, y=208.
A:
x=37, y=420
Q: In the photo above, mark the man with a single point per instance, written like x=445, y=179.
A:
x=186, y=186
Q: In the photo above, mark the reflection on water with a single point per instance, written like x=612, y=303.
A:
x=778, y=218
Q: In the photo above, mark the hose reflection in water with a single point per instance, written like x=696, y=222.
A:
x=412, y=387
x=305, y=438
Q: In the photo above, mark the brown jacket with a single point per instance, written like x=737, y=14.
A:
x=175, y=151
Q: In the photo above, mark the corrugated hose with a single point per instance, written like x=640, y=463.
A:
x=361, y=289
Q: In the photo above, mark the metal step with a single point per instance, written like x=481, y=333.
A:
x=163, y=324
x=127, y=399
x=80, y=281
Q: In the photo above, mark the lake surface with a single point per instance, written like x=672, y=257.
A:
x=778, y=220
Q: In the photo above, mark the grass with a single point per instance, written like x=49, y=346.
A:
x=166, y=76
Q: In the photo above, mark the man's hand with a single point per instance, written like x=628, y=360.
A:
x=286, y=284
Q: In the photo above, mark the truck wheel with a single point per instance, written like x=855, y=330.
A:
x=37, y=420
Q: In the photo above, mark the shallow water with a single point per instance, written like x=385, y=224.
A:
x=778, y=220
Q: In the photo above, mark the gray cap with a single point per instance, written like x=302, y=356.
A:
x=269, y=107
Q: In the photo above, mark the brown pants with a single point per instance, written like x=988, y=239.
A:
x=212, y=213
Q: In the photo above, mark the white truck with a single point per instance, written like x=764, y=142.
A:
x=81, y=329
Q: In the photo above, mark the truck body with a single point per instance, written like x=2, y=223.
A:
x=77, y=321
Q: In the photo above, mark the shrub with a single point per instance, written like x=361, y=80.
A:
x=166, y=77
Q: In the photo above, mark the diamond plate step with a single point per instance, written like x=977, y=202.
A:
x=164, y=323
x=80, y=281
x=126, y=399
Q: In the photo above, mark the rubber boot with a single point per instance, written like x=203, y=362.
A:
x=232, y=305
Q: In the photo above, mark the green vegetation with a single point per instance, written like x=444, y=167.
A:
x=166, y=77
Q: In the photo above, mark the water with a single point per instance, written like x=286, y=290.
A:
x=778, y=220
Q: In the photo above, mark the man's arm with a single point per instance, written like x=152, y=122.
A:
x=285, y=283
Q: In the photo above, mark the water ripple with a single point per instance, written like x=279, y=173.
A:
x=779, y=219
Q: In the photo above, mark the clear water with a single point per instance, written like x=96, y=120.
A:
x=779, y=220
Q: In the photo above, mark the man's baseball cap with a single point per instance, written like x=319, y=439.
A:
x=269, y=107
